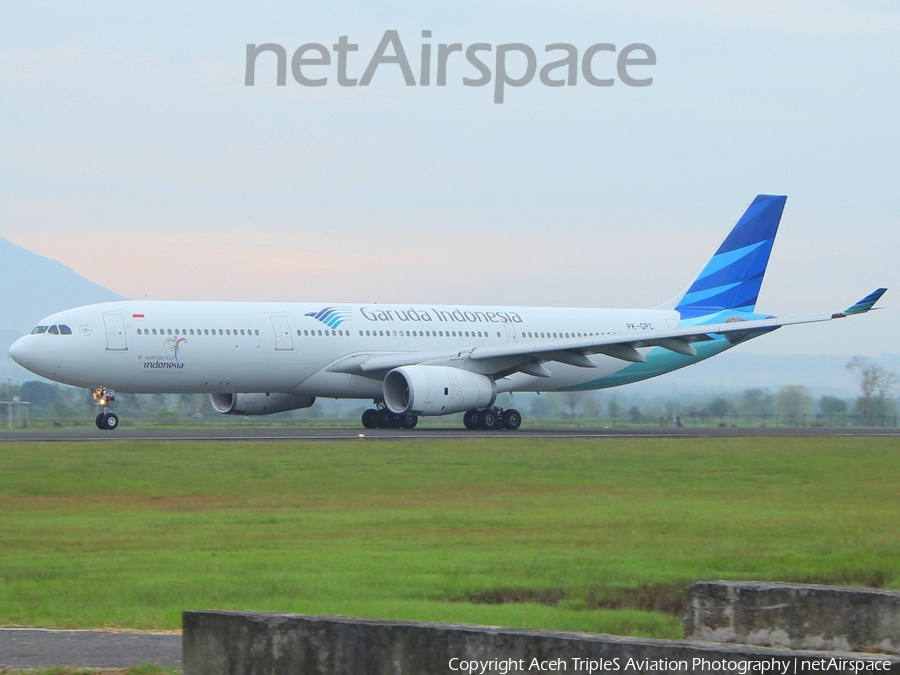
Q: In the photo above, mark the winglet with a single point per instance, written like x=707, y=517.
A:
x=862, y=306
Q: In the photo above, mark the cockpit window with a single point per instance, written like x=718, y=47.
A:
x=38, y=330
x=54, y=330
x=64, y=330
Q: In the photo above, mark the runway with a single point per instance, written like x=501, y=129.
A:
x=41, y=648
x=234, y=434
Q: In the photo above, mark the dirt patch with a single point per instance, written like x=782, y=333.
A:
x=503, y=596
x=665, y=598
x=867, y=579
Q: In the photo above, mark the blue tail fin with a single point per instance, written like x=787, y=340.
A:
x=733, y=276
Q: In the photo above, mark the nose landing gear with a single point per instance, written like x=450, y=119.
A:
x=106, y=420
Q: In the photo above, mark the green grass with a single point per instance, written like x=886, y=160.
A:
x=593, y=535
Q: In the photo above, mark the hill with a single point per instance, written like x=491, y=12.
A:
x=31, y=287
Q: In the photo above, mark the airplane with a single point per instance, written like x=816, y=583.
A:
x=259, y=358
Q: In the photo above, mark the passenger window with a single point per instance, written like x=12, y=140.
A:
x=242, y=331
x=256, y=332
x=206, y=331
x=53, y=330
x=138, y=331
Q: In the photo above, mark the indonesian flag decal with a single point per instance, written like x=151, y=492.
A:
x=137, y=316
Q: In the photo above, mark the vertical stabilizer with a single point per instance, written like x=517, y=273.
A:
x=733, y=276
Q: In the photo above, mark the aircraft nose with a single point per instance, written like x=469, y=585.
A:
x=22, y=351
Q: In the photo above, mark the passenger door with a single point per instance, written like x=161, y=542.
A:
x=283, y=340
x=115, y=332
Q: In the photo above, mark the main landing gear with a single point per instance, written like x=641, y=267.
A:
x=106, y=420
x=492, y=418
x=487, y=419
x=382, y=418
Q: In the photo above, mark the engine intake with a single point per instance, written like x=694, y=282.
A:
x=258, y=404
x=436, y=390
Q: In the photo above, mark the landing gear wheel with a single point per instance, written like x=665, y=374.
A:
x=409, y=421
x=383, y=419
x=370, y=418
x=470, y=420
x=107, y=421
x=512, y=420
x=487, y=420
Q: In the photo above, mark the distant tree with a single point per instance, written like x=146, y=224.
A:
x=542, y=406
x=832, y=405
x=60, y=410
x=592, y=405
x=719, y=407
x=794, y=401
x=876, y=384
x=39, y=394
x=572, y=399
x=634, y=412
x=614, y=409
x=756, y=402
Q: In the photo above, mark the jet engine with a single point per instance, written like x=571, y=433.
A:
x=258, y=404
x=436, y=390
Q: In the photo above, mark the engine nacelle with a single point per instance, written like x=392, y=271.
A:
x=258, y=404
x=436, y=390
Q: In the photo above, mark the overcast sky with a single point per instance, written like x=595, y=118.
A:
x=134, y=153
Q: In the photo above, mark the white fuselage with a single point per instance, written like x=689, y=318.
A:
x=222, y=347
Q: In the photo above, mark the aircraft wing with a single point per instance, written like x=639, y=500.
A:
x=502, y=360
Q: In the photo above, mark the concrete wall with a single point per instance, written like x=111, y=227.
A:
x=256, y=643
x=796, y=616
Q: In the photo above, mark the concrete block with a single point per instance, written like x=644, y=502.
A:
x=795, y=616
x=258, y=643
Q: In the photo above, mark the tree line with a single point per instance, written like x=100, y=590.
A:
x=791, y=405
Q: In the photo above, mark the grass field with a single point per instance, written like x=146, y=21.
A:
x=594, y=535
